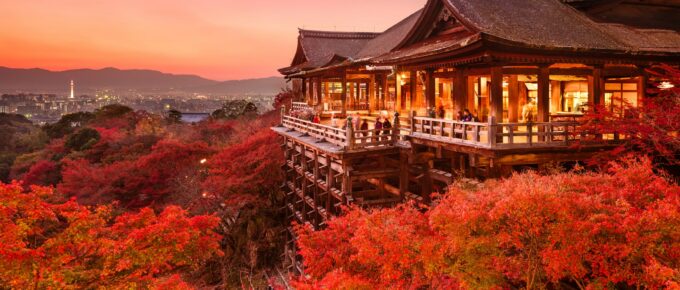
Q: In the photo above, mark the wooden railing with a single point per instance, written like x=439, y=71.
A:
x=503, y=135
x=470, y=133
x=329, y=134
x=347, y=138
x=478, y=134
x=300, y=106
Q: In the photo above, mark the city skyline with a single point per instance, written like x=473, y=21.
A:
x=220, y=40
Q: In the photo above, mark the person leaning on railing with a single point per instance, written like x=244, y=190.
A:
x=378, y=128
x=387, y=126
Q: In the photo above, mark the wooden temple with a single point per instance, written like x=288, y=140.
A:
x=526, y=70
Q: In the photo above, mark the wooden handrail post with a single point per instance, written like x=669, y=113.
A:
x=413, y=122
x=396, y=128
x=350, y=133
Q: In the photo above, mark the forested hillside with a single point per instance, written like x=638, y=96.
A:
x=125, y=199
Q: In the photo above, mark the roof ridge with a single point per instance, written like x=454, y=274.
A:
x=338, y=34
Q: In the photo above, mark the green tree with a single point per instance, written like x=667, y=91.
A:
x=83, y=139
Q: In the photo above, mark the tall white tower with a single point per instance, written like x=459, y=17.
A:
x=72, y=96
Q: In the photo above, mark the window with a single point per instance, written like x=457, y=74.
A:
x=616, y=94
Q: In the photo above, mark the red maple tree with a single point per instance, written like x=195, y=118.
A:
x=51, y=244
x=589, y=230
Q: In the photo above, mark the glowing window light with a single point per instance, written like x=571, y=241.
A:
x=666, y=85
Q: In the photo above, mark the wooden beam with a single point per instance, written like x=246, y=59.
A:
x=520, y=71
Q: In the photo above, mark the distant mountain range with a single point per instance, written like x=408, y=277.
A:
x=144, y=81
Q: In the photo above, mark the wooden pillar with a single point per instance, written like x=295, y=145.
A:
x=330, y=183
x=513, y=99
x=496, y=97
x=303, y=93
x=372, y=99
x=385, y=92
x=459, y=93
x=555, y=95
x=414, y=89
x=471, y=83
x=543, y=99
x=642, y=84
x=343, y=94
x=430, y=89
x=403, y=174
x=596, y=86
x=304, y=182
x=397, y=92
x=319, y=92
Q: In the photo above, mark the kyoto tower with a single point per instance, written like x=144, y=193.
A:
x=72, y=91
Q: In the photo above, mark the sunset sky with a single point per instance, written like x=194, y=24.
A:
x=217, y=39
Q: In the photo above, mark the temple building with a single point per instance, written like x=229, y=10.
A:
x=522, y=72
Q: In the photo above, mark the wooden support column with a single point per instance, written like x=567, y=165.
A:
x=403, y=174
x=304, y=182
x=330, y=183
x=398, y=104
x=513, y=99
x=430, y=89
x=471, y=84
x=555, y=95
x=372, y=99
x=317, y=176
x=414, y=89
x=459, y=93
x=596, y=86
x=303, y=94
x=496, y=90
x=543, y=99
x=642, y=84
x=385, y=92
x=319, y=92
x=343, y=95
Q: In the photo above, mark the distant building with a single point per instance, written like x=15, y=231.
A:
x=4, y=107
x=73, y=93
x=192, y=118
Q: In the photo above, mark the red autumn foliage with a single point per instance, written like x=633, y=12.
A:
x=136, y=183
x=649, y=129
x=251, y=166
x=590, y=230
x=43, y=172
x=50, y=244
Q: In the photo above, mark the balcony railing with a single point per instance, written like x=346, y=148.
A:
x=477, y=134
x=348, y=138
x=300, y=106
x=503, y=135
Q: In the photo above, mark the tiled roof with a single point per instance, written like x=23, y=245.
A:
x=389, y=39
x=535, y=24
x=320, y=47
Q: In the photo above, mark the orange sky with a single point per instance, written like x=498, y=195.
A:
x=218, y=39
